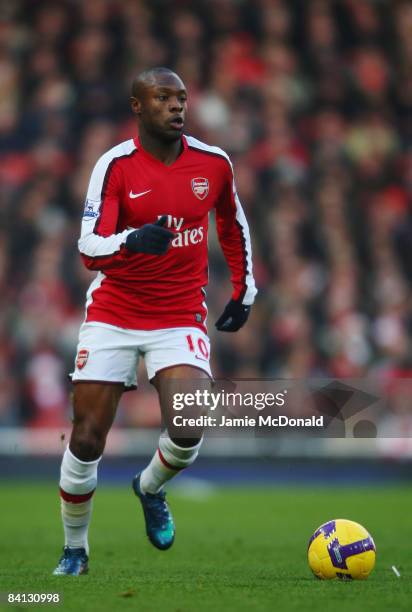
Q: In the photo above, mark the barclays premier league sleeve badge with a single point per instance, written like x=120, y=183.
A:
x=91, y=209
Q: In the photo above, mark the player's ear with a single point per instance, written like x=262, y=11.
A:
x=136, y=105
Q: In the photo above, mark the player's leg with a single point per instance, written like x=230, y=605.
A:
x=176, y=451
x=105, y=366
x=172, y=456
x=94, y=406
x=176, y=360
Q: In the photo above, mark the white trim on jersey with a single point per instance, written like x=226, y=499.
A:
x=203, y=290
x=95, y=284
x=89, y=243
x=251, y=290
x=202, y=146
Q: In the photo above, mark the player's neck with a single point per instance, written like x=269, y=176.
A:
x=166, y=152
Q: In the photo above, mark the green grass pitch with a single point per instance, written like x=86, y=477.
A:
x=240, y=549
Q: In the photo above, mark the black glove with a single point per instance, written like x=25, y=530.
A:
x=234, y=316
x=152, y=238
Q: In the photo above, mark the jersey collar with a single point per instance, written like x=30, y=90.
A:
x=148, y=155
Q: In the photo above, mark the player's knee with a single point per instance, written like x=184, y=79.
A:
x=186, y=442
x=87, y=444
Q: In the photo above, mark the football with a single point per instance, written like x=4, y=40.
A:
x=341, y=549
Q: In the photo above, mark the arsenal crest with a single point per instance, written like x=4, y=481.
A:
x=81, y=359
x=200, y=187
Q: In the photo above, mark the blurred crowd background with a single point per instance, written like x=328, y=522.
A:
x=312, y=99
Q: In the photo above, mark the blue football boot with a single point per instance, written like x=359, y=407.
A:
x=160, y=527
x=73, y=562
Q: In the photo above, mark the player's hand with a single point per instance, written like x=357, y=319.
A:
x=152, y=238
x=234, y=316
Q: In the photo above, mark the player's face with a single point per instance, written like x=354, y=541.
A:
x=162, y=107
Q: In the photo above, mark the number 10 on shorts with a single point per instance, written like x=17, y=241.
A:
x=197, y=346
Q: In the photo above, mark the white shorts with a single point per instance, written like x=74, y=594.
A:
x=106, y=353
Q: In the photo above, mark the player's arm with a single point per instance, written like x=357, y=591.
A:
x=100, y=245
x=234, y=238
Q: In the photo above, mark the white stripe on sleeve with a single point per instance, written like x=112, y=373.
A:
x=89, y=243
x=251, y=290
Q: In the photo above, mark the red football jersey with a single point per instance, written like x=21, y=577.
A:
x=128, y=188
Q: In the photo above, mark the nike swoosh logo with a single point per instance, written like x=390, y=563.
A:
x=138, y=195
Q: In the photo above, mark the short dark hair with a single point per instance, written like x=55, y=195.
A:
x=147, y=77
